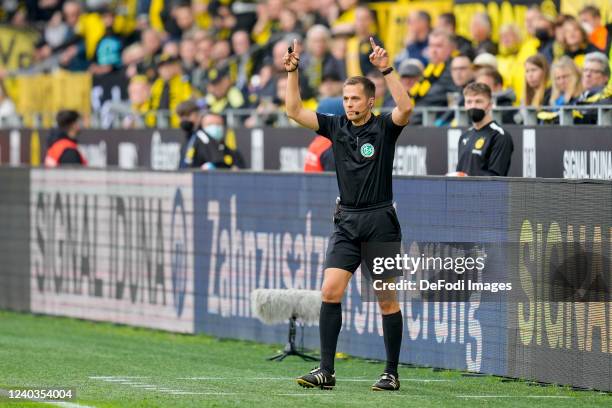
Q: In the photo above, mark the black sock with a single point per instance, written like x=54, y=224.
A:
x=393, y=326
x=330, y=322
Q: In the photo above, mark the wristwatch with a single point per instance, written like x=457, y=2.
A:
x=387, y=71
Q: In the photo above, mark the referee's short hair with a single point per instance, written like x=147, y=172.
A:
x=368, y=86
x=477, y=88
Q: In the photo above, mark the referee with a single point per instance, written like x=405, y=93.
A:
x=363, y=147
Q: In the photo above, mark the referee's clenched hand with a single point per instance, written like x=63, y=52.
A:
x=291, y=58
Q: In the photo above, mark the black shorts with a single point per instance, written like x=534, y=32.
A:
x=356, y=226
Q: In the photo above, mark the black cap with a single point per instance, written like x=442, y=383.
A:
x=216, y=75
x=167, y=59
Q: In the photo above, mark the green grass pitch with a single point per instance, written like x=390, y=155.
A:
x=118, y=366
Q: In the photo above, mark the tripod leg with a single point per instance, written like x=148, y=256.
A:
x=306, y=357
x=276, y=357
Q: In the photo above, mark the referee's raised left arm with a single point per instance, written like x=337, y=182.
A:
x=403, y=105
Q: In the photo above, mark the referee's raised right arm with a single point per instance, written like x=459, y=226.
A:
x=295, y=110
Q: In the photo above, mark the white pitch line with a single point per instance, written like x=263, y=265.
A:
x=291, y=378
x=304, y=395
x=120, y=377
x=512, y=396
x=203, y=393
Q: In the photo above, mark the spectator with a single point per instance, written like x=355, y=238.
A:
x=131, y=58
x=537, y=91
x=62, y=147
x=169, y=89
x=224, y=21
x=382, y=98
x=151, y=42
x=108, y=51
x=347, y=17
x=448, y=23
x=508, y=58
x=437, y=80
x=270, y=109
x=481, y=29
x=72, y=50
x=317, y=61
x=500, y=97
x=268, y=16
x=183, y=17
x=246, y=62
x=222, y=94
x=576, y=41
x=55, y=31
x=595, y=77
x=358, y=47
x=187, y=53
x=171, y=48
x=410, y=72
x=338, y=49
x=7, y=107
x=566, y=82
x=272, y=70
x=289, y=23
x=531, y=43
x=462, y=73
x=590, y=18
x=595, y=74
x=419, y=27
x=485, y=60
x=139, y=94
x=199, y=76
x=331, y=86
x=545, y=33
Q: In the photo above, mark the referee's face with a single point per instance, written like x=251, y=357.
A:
x=356, y=103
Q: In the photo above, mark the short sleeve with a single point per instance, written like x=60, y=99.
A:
x=328, y=125
x=392, y=131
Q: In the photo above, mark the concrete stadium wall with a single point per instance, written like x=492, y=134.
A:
x=182, y=252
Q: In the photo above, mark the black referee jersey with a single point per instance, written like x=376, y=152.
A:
x=364, y=157
x=485, y=152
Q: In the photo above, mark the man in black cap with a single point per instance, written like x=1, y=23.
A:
x=222, y=94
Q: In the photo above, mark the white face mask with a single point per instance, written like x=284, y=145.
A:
x=215, y=131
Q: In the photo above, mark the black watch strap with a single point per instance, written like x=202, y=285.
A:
x=387, y=71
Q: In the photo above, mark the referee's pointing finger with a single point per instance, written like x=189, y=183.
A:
x=372, y=43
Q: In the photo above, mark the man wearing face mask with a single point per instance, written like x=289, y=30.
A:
x=205, y=147
x=485, y=149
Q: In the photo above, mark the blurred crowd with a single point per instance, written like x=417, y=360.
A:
x=227, y=54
